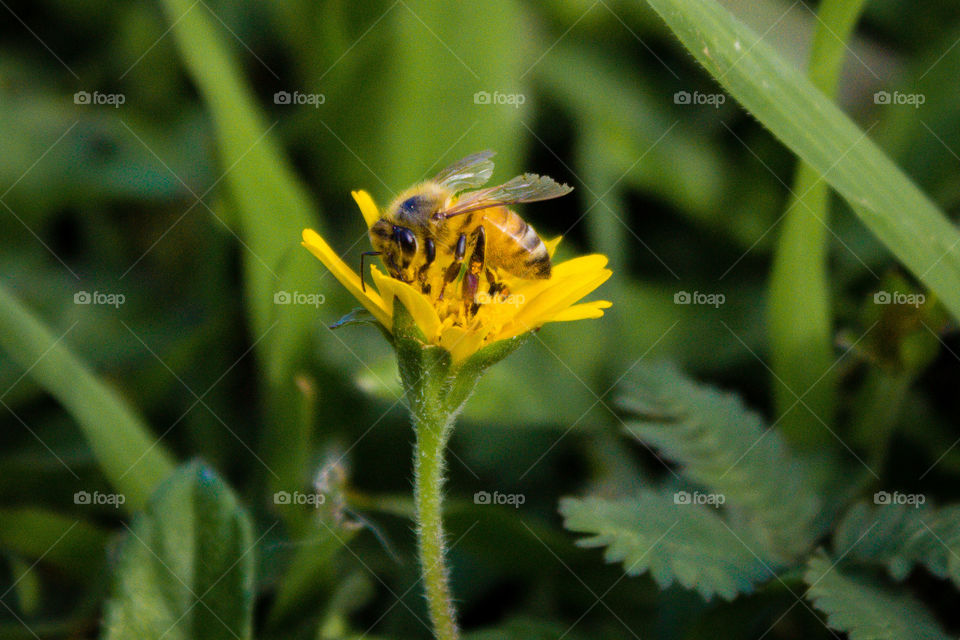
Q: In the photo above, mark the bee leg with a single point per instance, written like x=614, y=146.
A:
x=454, y=267
x=471, y=280
x=495, y=286
x=431, y=254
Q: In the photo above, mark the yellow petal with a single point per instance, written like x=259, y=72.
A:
x=369, y=298
x=385, y=292
x=460, y=342
x=367, y=206
x=552, y=245
x=552, y=301
x=582, y=311
x=416, y=303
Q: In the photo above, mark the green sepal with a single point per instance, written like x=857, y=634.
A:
x=357, y=316
x=468, y=373
x=427, y=371
x=424, y=368
x=361, y=316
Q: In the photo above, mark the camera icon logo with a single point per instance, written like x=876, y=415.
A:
x=81, y=497
x=881, y=497
x=282, y=297
x=481, y=97
x=282, y=97
x=881, y=97
x=681, y=297
x=281, y=497
x=682, y=97
x=881, y=297
x=681, y=497
x=481, y=497
x=82, y=297
x=81, y=97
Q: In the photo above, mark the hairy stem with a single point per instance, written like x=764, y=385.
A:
x=433, y=427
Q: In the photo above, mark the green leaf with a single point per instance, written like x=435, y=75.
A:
x=73, y=546
x=901, y=536
x=129, y=455
x=186, y=567
x=356, y=316
x=687, y=543
x=864, y=610
x=885, y=200
x=722, y=445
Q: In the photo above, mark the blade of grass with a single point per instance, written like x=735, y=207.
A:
x=75, y=547
x=272, y=210
x=884, y=199
x=130, y=457
x=800, y=325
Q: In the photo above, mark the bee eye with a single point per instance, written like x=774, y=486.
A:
x=406, y=239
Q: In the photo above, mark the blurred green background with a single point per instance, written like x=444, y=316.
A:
x=186, y=201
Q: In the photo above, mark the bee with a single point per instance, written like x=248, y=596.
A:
x=450, y=220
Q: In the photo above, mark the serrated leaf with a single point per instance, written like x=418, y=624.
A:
x=720, y=444
x=864, y=610
x=901, y=536
x=686, y=543
x=186, y=568
x=814, y=128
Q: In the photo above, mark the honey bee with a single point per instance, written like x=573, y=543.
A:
x=450, y=220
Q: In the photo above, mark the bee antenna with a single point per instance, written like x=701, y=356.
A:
x=363, y=276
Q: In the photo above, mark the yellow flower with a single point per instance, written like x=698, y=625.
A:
x=524, y=306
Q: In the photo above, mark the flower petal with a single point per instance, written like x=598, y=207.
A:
x=583, y=311
x=552, y=245
x=551, y=301
x=367, y=206
x=416, y=303
x=460, y=342
x=370, y=299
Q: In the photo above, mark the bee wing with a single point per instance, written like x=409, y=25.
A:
x=471, y=172
x=528, y=187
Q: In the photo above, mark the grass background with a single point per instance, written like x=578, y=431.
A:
x=188, y=200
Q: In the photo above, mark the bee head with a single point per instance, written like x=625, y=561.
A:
x=397, y=246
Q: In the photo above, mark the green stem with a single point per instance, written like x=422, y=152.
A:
x=433, y=427
x=800, y=323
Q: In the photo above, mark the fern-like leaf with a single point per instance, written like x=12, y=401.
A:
x=864, y=610
x=722, y=445
x=901, y=536
x=686, y=543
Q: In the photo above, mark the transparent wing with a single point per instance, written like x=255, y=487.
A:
x=471, y=172
x=528, y=187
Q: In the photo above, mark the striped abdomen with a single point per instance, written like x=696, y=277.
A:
x=514, y=246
